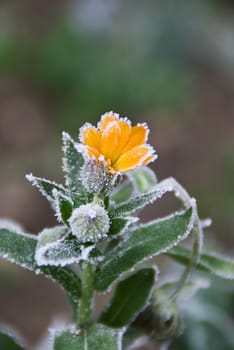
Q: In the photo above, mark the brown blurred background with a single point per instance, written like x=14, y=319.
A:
x=62, y=63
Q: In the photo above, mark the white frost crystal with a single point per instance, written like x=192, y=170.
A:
x=89, y=223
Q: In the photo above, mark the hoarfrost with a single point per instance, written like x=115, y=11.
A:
x=11, y=225
x=58, y=198
x=46, y=187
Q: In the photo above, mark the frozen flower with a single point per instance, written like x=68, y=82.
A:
x=123, y=146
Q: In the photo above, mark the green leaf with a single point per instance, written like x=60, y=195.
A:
x=9, y=342
x=97, y=337
x=137, y=202
x=20, y=249
x=130, y=297
x=211, y=262
x=123, y=192
x=120, y=225
x=55, y=249
x=72, y=163
x=143, y=178
x=47, y=187
x=142, y=243
x=63, y=206
x=66, y=279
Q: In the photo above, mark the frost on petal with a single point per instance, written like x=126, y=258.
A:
x=106, y=119
x=139, y=135
x=125, y=132
x=110, y=140
x=133, y=158
x=90, y=136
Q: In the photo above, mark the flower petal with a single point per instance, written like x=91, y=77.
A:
x=125, y=132
x=110, y=140
x=90, y=136
x=138, y=137
x=135, y=157
x=92, y=152
x=107, y=118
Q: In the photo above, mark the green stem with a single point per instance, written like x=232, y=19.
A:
x=85, y=309
x=198, y=236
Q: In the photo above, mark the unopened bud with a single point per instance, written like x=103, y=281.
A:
x=160, y=319
x=96, y=177
x=90, y=223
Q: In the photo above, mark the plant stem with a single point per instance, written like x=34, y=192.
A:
x=85, y=309
x=198, y=237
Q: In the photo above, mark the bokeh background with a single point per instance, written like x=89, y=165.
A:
x=64, y=62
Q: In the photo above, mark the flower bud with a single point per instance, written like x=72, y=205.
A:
x=160, y=319
x=96, y=177
x=89, y=223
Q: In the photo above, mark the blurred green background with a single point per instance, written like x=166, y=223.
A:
x=169, y=63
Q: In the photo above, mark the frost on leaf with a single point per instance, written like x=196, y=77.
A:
x=18, y=247
x=10, y=341
x=143, y=243
x=55, y=249
x=122, y=224
x=47, y=188
x=96, y=337
x=73, y=162
x=137, y=202
x=63, y=206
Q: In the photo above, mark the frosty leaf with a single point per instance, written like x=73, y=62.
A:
x=66, y=278
x=55, y=249
x=211, y=262
x=120, y=225
x=122, y=192
x=46, y=187
x=130, y=298
x=137, y=202
x=72, y=163
x=143, y=178
x=9, y=342
x=63, y=206
x=144, y=242
x=18, y=248
x=97, y=337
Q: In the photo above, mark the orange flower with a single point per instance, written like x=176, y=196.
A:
x=122, y=146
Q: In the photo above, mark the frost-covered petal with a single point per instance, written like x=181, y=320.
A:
x=125, y=132
x=90, y=136
x=110, y=140
x=139, y=135
x=92, y=152
x=107, y=118
x=121, y=146
x=133, y=158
